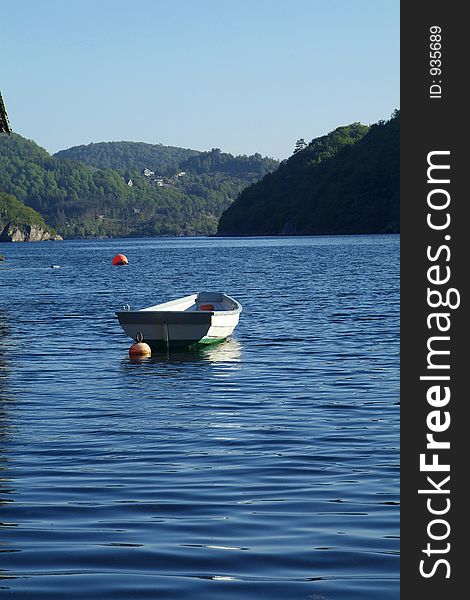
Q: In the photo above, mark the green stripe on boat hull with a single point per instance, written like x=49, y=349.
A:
x=211, y=340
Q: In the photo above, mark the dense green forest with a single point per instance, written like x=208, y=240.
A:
x=129, y=156
x=344, y=182
x=80, y=200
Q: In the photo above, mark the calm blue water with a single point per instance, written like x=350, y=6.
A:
x=266, y=467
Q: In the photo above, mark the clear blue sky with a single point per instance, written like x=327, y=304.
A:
x=241, y=75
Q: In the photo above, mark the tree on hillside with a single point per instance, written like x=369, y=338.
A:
x=300, y=144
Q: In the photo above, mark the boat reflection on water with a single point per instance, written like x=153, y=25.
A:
x=229, y=351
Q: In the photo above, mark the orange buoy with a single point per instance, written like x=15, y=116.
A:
x=139, y=350
x=206, y=307
x=120, y=259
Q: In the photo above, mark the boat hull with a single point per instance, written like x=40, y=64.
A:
x=162, y=328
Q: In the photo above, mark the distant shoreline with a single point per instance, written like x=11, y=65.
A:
x=206, y=237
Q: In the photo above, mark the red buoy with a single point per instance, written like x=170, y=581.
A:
x=120, y=259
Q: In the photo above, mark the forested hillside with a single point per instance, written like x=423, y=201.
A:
x=129, y=156
x=79, y=200
x=344, y=182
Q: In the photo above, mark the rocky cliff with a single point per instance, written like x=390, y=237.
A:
x=26, y=233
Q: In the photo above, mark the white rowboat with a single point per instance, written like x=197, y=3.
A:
x=202, y=318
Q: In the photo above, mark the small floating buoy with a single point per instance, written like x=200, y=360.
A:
x=139, y=350
x=120, y=259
